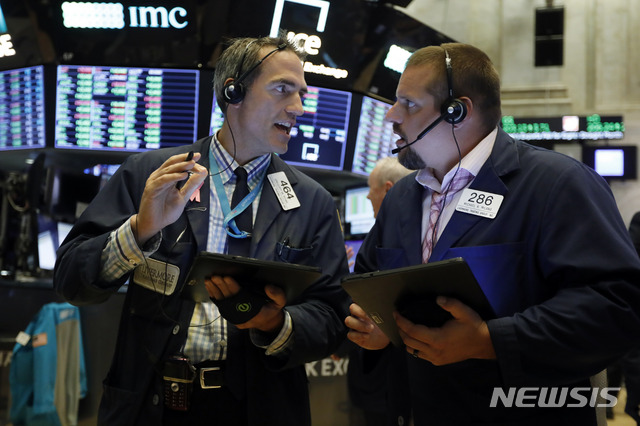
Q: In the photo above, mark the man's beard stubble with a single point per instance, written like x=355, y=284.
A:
x=411, y=160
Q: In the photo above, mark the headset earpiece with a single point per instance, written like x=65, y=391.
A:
x=233, y=92
x=453, y=110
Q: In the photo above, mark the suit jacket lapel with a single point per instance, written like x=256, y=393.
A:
x=503, y=160
x=269, y=207
x=198, y=212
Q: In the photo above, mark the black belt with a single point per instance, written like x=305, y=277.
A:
x=210, y=374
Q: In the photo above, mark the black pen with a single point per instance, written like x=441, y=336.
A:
x=284, y=243
x=189, y=158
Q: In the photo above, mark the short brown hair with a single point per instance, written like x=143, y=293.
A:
x=242, y=54
x=473, y=75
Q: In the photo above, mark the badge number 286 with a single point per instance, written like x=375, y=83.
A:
x=481, y=198
x=479, y=203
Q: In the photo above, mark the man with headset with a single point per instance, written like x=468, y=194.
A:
x=178, y=361
x=541, y=233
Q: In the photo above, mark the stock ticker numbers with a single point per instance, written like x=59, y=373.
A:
x=565, y=128
x=132, y=109
x=22, y=111
x=375, y=138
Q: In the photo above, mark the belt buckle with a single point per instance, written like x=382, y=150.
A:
x=202, y=380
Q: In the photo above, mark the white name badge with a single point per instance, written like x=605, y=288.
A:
x=23, y=338
x=284, y=191
x=157, y=276
x=479, y=203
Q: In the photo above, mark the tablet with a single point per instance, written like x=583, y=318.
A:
x=249, y=272
x=412, y=291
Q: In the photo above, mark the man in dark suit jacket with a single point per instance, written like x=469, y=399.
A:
x=541, y=233
x=630, y=363
x=162, y=208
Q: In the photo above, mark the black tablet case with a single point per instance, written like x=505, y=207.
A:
x=250, y=272
x=412, y=292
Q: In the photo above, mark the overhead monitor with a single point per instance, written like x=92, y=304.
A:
x=319, y=138
x=375, y=138
x=392, y=38
x=125, y=109
x=22, y=108
x=613, y=162
x=358, y=211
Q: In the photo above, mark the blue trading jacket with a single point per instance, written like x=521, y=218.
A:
x=47, y=375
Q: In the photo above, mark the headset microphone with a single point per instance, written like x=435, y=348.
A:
x=421, y=135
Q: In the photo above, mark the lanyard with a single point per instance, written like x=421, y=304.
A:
x=229, y=222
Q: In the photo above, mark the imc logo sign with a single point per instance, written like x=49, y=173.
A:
x=117, y=16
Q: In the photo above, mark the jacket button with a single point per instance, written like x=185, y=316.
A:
x=176, y=329
x=156, y=399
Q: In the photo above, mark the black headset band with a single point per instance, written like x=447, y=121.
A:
x=257, y=64
x=454, y=110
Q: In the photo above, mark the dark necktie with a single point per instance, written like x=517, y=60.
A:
x=244, y=221
x=240, y=247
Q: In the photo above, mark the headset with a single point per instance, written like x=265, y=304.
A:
x=452, y=111
x=234, y=91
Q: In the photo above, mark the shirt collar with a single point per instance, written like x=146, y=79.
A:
x=227, y=164
x=472, y=162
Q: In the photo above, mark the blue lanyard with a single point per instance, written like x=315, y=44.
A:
x=229, y=222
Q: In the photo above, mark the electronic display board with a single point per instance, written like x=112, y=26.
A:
x=375, y=138
x=564, y=128
x=319, y=137
x=22, y=108
x=125, y=108
x=358, y=211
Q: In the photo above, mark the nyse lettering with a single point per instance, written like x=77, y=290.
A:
x=311, y=45
x=327, y=367
x=6, y=46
